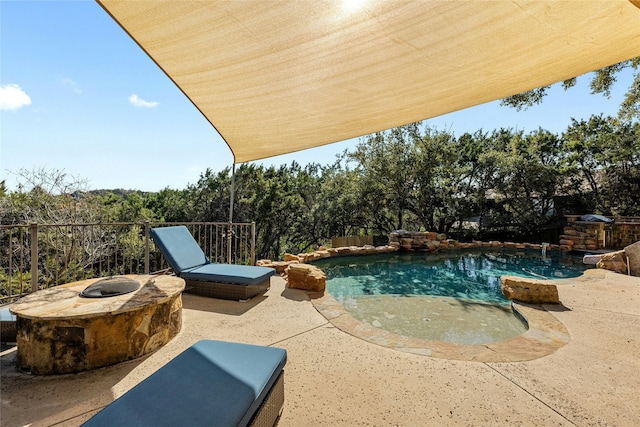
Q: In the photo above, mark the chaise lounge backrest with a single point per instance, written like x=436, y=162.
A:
x=179, y=247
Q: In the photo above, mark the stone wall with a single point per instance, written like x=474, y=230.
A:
x=583, y=235
x=586, y=235
x=428, y=241
x=624, y=232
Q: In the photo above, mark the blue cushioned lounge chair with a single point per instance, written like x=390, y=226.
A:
x=226, y=281
x=212, y=383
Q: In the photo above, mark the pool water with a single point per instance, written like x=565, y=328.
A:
x=450, y=296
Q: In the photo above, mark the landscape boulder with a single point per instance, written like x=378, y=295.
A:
x=633, y=256
x=614, y=261
x=530, y=291
x=291, y=257
x=306, y=277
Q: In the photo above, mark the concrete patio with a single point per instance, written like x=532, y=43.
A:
x=336, y=379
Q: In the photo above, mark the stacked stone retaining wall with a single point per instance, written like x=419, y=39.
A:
x=585, y=235
x=624, y=233
x=428, y=241
x=582, y=235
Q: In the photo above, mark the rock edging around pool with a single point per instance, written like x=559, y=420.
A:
x=308, y=278
x=322, y=252
x=545, y=335
x=300, y=275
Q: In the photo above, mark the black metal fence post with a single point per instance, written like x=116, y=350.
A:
x=34, y=256
x=147, y=227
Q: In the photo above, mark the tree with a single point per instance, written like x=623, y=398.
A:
x=620, y=182
x=170, y=205
x=601, y=83
x=339, y=205
x=210, y=197
x=441, y=180
x=265, y=196
x=50, y=196
x=584, y=148
x=477, y=171
x=309, y=228
x=526, y=179
x=386, y=164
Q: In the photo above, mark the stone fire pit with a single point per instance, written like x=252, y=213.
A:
x=59, y=331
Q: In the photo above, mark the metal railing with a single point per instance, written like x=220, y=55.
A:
x=38, y=256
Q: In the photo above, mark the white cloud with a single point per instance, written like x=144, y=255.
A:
x=12, y=97
x=73, y=85
x=139, y=102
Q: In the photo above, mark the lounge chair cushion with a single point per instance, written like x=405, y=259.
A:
x=210, y=383
x=179, y=247
x=229, y=273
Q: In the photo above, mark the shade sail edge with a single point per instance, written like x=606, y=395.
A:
x=279, y=78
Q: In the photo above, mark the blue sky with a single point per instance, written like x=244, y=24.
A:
x=79, y=95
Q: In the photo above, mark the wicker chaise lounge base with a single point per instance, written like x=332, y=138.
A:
x=212, y=383
x=229, y=291
x=272, y=407
x=188, y=261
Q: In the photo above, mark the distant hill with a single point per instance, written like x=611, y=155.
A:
x=120, y=192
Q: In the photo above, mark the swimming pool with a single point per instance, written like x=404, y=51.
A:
x=452, y=296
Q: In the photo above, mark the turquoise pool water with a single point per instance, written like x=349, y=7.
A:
x=450, y=296
x=461, y=274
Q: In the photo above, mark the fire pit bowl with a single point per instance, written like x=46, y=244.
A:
x=59, y=331
x=110, y=287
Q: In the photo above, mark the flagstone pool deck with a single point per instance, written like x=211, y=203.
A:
x=334, y=378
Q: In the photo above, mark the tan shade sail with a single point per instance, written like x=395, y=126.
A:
x=275, y=77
